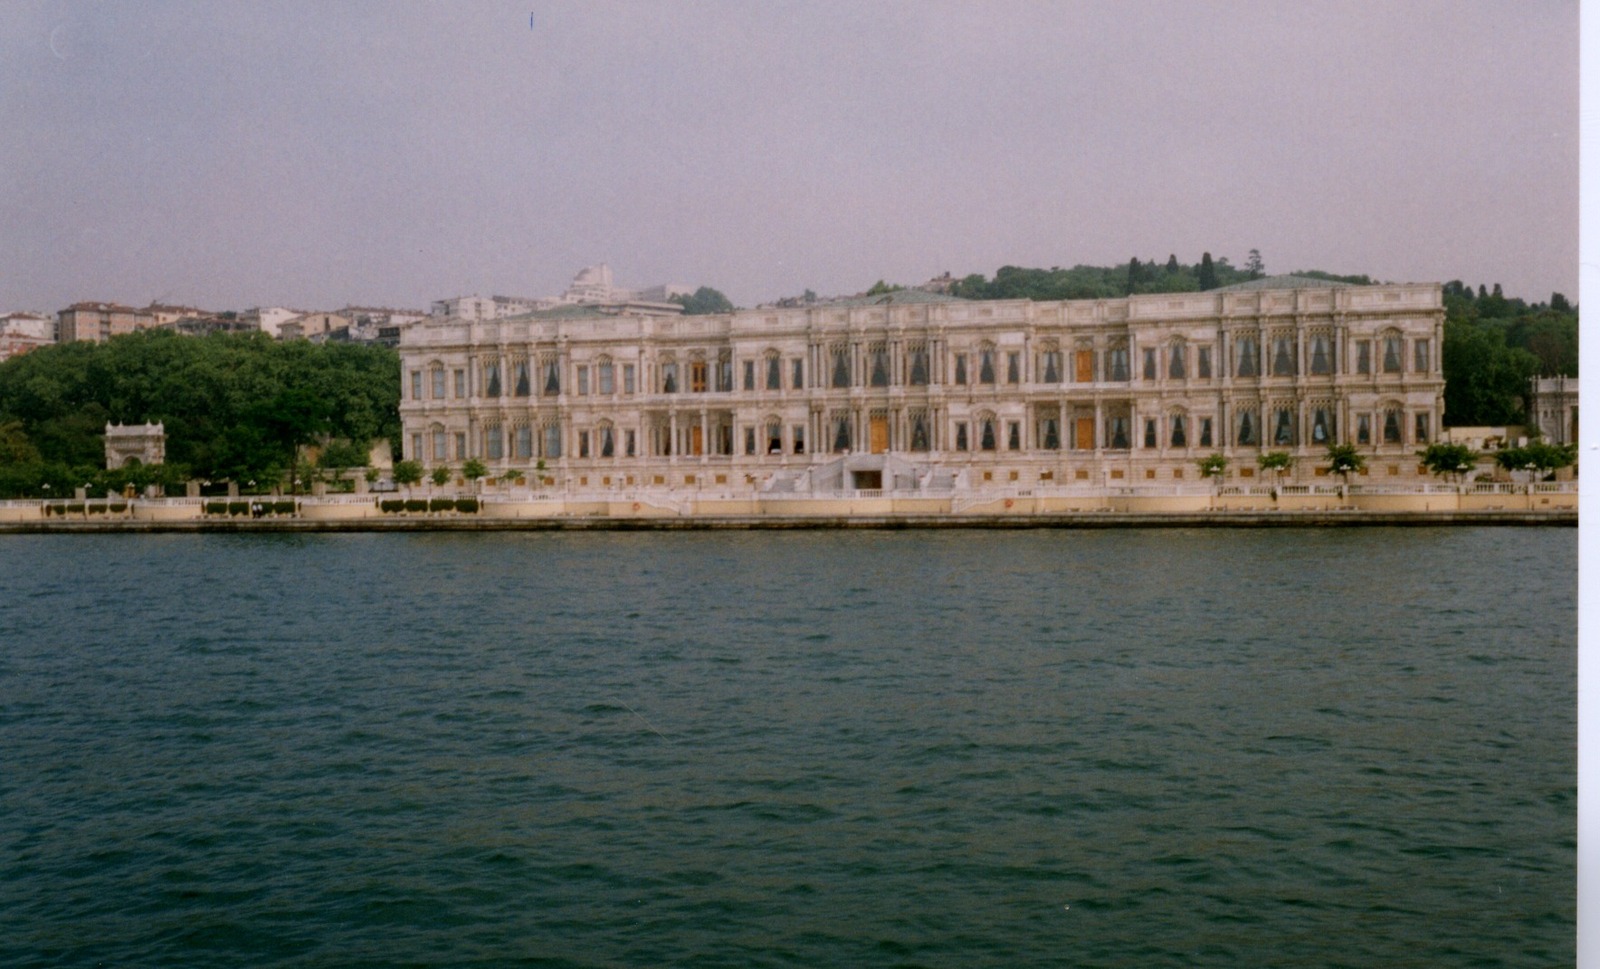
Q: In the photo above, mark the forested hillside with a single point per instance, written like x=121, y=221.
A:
x=235, y=406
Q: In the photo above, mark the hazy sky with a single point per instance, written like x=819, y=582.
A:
x=233, y=154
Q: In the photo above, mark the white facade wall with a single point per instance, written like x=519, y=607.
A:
x=1008, y=393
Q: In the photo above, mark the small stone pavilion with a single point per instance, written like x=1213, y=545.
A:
x=135, y=444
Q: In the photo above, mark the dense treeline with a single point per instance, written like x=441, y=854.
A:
x=1123, y=279
x=235, y=407
x=1494, y=344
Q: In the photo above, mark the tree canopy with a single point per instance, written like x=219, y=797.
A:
x=1493, y=346
x=704, y=301
x=234, y=406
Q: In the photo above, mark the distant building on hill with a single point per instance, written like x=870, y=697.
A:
x=99, y=322
x=22, y=332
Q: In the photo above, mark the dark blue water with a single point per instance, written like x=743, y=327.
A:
x=1349, y=747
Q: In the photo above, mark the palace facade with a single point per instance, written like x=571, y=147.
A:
x=917, y=391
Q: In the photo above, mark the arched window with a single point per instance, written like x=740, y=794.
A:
x=919, y=430
x=1283, y=426
x=986, y=367
x=669, y=376
x=1391, y=355
x=608, y=439
x=878, y=375
x=1175, y=361
x=1391, y=424
x=1283, y=356
x=1321, y=358
x=917, y=358
x=491, y=378
x=841, y=366
x=841, y=432
x=1322, y=424
x=1179, y=431
x=1246, y=434
x=1246, y=355
x=774, y=367
x=1050, y=363
x=986, y=435
x=605, y=375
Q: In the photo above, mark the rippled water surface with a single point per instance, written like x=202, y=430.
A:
x=1349, y=747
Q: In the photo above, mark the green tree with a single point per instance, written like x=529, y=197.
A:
x=1208, y=273
x=1278, y=462
x=704, y=301
x=1443, y=459
x=1538, y=457
x=340, y=455
x=1344, y=460
x=440, y=476
x=1213, y=466
x=473, y=470
x=881, y=288
x=407, y=472
x=1254, y=266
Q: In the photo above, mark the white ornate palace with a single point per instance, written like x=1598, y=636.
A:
x=915, y=391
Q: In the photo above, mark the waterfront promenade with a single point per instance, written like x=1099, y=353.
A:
x=1248, y=506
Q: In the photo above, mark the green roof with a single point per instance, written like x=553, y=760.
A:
x=1284, y=282
x=899, y=297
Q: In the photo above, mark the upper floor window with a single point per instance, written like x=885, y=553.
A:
x=1391, y=354
x=1283, y=357
x=669, y=377
x=439, y=383
x=1246, y=357
x=1202, y=363
x=1050, y=362
x=1420, y=362
x=961, y=370
x=1149, y=363
x=986, y=366
x=1321, y=359
x=607, y=377
x=798, y=378
x=1013, y=368
x=1180, y=436
x=841, y=367
x=1363, y=357
x=750, y=378
x=1175, y=362
x=697, y=376
x=416, y=385
x=879, y=375
x=1119, y=363
x=491, y=379
x=918, y=357
x=461, y=383
x=774, y=372
x=583, y=381
x=627, y=378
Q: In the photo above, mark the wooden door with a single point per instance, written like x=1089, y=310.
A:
x=1084, y=362
x=878, y=435
x=1085, y=434
x=697, y=440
